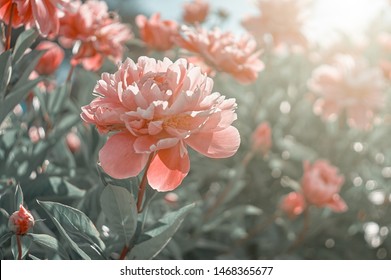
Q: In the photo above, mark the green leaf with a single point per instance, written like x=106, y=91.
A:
x=160, y=236
x=5, y=72
x=15, y=97
x=23, y=42
x=69, y=240
x=57, y=99
x=72, y=220
x=120, y=209
x=25, y=242
x=5, y=237
x=18, y=197
x=49, y=242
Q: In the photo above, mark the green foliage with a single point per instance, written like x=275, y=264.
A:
x=159, y=235
x=120, y=210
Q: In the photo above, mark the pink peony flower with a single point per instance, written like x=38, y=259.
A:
x=321, y=184
x=262, y=138
x=293, y=204
x=94, y=32
x=42, y=14
x=350, y=87
x=6, y=10
x=51, y=59
x=21, y=221
x=223, y=52
x=282, y=20
x=195, y=11
x=156, y=33
x=158, y=108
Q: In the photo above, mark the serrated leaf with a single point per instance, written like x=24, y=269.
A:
x=72, y=220
x=5, y=72
x=23, y=42
x=160, y=236
x=49, y=242
x=18, y=197
x=120, y=209
x=25, y=242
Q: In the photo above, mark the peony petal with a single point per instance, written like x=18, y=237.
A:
x=337, y=204
x=219, y=144
x=118, y=158
x=168, y=169
x=45, y=15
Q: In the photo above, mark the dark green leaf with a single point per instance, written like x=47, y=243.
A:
x=160, y=236
x=72, y=220
x=15, y=97
x=119, y=207
x=5, y=238
x=5, y=72
x=49, y=242
x=18, y=197
x=57, y=100
x=23, y=42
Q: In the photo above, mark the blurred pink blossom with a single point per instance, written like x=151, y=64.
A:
x=195, y=11
x=42, y=14
x=348, y=86
x=51, y=59
x=293, y=204
x=223, y=52
x=36, y=134
x=6, y=10
x=94, y=33
x=157, y=34
x=321, y=184
x=73, y=142
x=21, y=221
x=282, y=20
x=158, y=108
x=262, y=138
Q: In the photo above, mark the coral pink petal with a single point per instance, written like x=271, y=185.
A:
x=220, y=144
x=46, y=17
x=118, y=158
x=337, y=204
x=168, y=169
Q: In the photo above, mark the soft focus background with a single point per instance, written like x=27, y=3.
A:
x=323, y=95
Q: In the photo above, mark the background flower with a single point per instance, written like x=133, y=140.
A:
x=94, y=33
x=350, y=87
x=321, y=184
x=157, y=34
x=195, y=11
x=223, y=52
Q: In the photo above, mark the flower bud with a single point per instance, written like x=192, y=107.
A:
x=21, y=221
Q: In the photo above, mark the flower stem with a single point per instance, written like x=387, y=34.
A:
x=19, y=246
x=302, y=234
x=9, y=28
x=69, y=77
x=143, y=184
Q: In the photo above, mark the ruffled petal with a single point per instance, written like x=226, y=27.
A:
x=118, y=158
x=219, y=144
x=168, y=169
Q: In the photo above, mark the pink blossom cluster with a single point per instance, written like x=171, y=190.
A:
x=320, y=186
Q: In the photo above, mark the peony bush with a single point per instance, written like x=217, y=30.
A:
x=137, y=136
